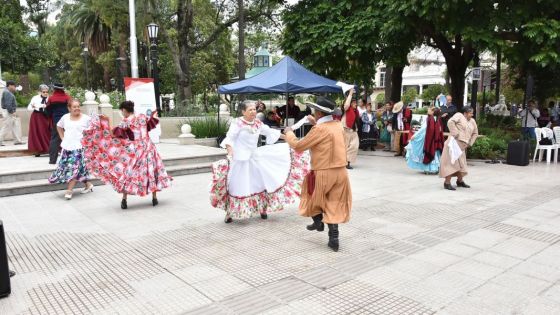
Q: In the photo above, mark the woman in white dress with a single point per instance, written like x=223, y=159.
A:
x=256, y=180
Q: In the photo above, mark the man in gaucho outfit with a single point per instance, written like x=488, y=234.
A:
x=326, y=194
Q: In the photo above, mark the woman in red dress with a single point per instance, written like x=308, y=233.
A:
x=40, y=123
x=125, y=157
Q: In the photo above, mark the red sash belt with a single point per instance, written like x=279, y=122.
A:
x=310, y=182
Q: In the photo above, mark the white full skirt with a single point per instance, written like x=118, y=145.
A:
x=266, y=170
x=270, y=179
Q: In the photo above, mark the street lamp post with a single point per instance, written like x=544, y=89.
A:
x=85, y=53
x=152, y=35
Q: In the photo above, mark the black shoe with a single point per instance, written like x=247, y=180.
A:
x=228, y=219
x=462, y=184
x=123, y=204
x=333, y=237
x=155, y=202
x=51, y=162
x=12, y=273
x=37, y=155
x=448, y=186
x=318, y=224
x=349, y=167
x=264, y=216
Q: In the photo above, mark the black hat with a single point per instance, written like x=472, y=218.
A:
x=323, y=104
x=58, y=86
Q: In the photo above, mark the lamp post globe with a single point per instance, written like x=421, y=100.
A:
x=153, y=29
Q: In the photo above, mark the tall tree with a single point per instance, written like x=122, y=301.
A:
x=189, y=39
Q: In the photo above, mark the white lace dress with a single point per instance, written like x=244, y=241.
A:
x=257, y=179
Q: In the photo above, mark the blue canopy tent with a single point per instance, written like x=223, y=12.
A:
x=287, y=76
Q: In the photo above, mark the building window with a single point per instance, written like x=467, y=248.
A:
x=266, y=61
x=382, y=78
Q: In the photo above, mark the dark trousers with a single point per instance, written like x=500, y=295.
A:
x=54, y=146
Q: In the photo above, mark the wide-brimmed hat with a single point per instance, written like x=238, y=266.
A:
x=323, y=104
x=58, y=86
x=398, y=107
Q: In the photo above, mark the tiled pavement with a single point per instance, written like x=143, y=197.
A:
x=410, y=248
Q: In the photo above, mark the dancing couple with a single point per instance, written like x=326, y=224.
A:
x=257, y=180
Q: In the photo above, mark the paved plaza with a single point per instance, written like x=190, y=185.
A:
x=410, y=248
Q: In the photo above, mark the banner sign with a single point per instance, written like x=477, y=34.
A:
x=142, y=92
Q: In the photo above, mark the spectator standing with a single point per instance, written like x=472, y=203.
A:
x=369, y=129
x=12, y=123
x=57, y=106
x=387, y=133
x=39, y=123
x=529, y=117
x=290, y=110
x=554, y=113
x=447, y=111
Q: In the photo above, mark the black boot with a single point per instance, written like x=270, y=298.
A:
x=317, y=223
x=123, y=204
x=448, y=186
x=349, y=167
x=462, y=184
x=333, y=237
x=155, y=202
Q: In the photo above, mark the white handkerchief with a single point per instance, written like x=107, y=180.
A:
x=300, y=123
x=454, y=150
x=345, y=87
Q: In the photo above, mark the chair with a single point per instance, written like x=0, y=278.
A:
x=556, y=131
x=540, y=147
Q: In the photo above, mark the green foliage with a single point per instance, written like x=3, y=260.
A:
x=409, y=96
x=421, y=111
x=432, y=92
x=335, y=38
x=23, y=100
x=207, y=127
x=380, y=98
x=498, y=131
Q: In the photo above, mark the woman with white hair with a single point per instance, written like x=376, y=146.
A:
x=40, y=123
x=255, y=180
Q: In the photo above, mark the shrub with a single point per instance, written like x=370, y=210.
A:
x=482, y=149
x=23, y=100
x=421, y=111
x=207, y=127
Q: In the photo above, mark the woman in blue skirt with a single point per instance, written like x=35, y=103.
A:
x=424, y=149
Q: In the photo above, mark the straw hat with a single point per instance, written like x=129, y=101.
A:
x=398, y=107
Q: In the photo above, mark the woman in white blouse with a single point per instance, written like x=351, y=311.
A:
x=72, y=166
x=39, y=123
x=256, y=180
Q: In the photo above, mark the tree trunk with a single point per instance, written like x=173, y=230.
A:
x=106, y=78
x=388, y=75
x=396, y=83
x=457, y=75
x=123, y=40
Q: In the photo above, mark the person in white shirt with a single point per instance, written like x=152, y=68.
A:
x=72, y=165
x=529, y=116
x=40, y=123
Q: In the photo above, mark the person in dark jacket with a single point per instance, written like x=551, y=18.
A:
x=447, y=111
x=57, y=106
